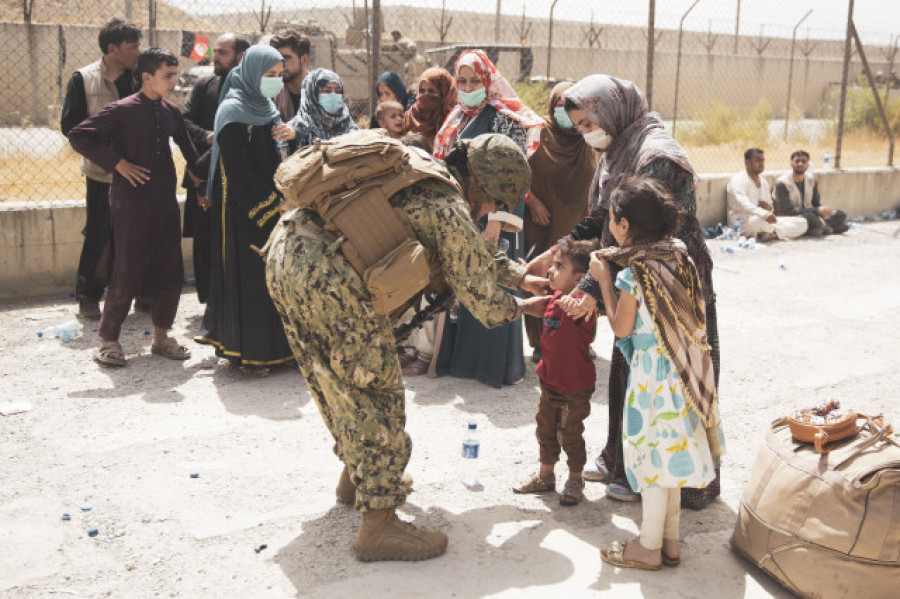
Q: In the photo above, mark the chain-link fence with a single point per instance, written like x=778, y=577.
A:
x=724, y=77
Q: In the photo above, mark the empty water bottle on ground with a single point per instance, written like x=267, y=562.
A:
x=64, y=332
x=469, y=466
x=737, y=227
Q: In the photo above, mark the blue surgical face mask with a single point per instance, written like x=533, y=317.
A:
x=270, y=86
x=472, y=99
x=562, y=118
x=331, y=103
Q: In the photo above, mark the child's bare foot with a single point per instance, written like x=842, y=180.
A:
x=671, y=554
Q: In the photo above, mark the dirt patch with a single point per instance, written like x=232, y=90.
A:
x=826, y=325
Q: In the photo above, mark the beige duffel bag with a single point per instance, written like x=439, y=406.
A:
x=825, y=525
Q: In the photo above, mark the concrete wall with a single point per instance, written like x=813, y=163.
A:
x=40, y=242
x=859, y=191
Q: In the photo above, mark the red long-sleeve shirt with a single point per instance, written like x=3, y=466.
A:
x=566, y=363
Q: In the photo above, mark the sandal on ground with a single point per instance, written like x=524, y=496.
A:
x=598, y=473
x=110, y=356
x=406, y=359
x=258, y=372
x=536, y=484
x=572, y=493
x=415, y=368
x=172, y=350
x=670, y=561
x=621, y=492
x=615, y=556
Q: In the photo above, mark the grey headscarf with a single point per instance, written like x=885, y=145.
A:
x=618, y=107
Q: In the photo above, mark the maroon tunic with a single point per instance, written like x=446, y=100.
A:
x=145, y=219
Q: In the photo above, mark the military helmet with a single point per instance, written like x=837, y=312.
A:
x=500, y=166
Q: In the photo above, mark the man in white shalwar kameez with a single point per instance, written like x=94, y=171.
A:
x=749, y=198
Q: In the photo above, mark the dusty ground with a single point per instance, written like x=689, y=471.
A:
x=125, y=442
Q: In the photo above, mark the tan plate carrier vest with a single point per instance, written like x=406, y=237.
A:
x=348, y=181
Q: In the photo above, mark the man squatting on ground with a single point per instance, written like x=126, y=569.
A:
x=797, y=194
x=130, y=138
x=348, y=353
x=748, y=198
x=199, y=117
x=90, y=89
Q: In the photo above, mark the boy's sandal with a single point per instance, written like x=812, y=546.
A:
x=110, y=356
x=615, y=556
x=536, y=484
x=172, y=350
x=621, y=492
x=572, y=493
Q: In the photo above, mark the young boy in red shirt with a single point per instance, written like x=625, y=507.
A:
x=567, y=376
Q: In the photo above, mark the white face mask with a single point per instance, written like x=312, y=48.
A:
x=598, y=138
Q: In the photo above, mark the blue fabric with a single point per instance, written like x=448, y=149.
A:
x=241, y=101
x=469, y=349
x=394, y=81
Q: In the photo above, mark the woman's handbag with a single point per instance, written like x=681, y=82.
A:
x=825, y=524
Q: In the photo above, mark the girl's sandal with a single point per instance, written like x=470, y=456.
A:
x=615, y=556
x=671, y=562
x=536, y=484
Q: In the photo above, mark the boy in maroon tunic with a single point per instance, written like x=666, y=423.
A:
x=567, y=376
x=146, y=245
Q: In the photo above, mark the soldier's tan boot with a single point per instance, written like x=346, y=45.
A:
x=383, y=536
x=346, y=490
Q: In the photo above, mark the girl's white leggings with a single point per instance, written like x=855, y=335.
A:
x=662, y=509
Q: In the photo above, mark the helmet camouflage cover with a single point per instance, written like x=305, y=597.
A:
x=500, y=166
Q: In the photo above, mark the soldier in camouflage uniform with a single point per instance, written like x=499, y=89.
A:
x=347, y=352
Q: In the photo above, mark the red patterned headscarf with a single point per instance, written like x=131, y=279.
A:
x=499, y=94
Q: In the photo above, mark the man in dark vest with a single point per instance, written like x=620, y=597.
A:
x=199, y=116
x=89, y=90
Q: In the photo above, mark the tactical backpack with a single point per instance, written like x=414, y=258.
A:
x=348, y=182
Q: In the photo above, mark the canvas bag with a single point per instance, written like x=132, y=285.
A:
x=825, y=525
x=349, y=181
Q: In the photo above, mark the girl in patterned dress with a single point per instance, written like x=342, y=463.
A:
x=659, y=321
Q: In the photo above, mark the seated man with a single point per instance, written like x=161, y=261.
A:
x=797, y=194
x=748, y=200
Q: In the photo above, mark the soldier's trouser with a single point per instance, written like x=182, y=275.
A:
x=347, y=354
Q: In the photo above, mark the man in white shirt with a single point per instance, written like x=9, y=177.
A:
x=749, y=198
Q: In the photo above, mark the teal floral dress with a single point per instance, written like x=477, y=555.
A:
x=663, y=439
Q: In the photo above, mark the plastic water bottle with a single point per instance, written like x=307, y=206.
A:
x=737, y=226
x=65, y=332
x=469, y=466
x=826, y=162
x=283, y=149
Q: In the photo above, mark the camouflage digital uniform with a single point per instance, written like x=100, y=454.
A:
x=347, y=351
